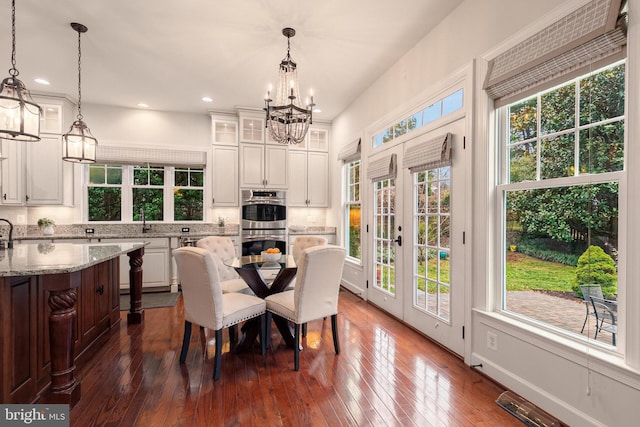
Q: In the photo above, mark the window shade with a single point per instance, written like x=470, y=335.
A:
x=431, y=154
x=143, y=155
x=350, y=152
x=589, y=37
x=383, y=168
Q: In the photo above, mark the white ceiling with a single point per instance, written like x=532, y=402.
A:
x=169, y=54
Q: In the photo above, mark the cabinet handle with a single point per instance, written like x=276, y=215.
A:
x=100, y=290
x=26, y=197
x=213, y=200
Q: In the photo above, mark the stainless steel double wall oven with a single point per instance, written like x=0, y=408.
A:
x=264, y=221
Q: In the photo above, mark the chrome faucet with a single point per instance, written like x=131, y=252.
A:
x=145, y=227
x=10, y=241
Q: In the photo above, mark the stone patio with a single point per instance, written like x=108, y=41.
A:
x=564, y=313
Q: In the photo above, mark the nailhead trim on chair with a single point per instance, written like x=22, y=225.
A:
x=226, y=325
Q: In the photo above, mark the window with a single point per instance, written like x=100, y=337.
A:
x=188, y=194
x=147, y=192
x=144, y=193
x=562, y=166
x=443, y=107
x=352, y=210
x=104, y=193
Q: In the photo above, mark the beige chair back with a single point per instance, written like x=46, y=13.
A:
x=318, y=282
x=200, y=287
x=303, y=242
x=221, y=248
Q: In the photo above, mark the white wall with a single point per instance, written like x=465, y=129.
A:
x=593, y=388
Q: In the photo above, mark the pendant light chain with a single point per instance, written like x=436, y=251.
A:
x=79, y=76
x=13, y=72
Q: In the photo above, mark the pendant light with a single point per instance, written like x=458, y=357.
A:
x=19, y=115
x=79, y=144
x=287, y=120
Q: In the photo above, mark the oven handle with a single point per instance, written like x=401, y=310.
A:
x=264, y=237
x=263, y=201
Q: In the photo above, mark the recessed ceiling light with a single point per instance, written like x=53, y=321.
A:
x=317, y=110
x=143, y=105
x=207, y=99
x=42, y=81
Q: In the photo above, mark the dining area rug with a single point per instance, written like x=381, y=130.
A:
x=152, y=300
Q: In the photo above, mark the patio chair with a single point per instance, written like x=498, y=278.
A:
x=606, y=313
x=587, y=292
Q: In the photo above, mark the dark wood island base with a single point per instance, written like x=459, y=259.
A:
x=52, y=318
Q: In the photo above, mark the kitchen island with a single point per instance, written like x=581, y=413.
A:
x=57, y=304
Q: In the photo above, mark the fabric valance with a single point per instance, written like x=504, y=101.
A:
x=431, y=154
x=383, y=168
x=143, y=155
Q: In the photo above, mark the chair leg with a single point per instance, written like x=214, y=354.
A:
x=233, y=333
x=185, y=341
x=586, y=317
x=304, y=329
x=217, y=357
x=296, y=347
x=267, y=329
x=263, y=334
x=334, y=331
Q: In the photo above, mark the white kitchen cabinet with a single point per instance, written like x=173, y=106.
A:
x=224, y=176
x=224, y=132
x=251, y=129
x=308, y=179
x=33, y=173
x=263, y=166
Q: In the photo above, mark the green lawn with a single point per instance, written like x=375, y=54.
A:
x=525, y=273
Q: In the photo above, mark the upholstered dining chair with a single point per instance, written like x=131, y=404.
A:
x=207, y=306
x=303, y=242
x=221, y=248
x=300, y=244
x=314, y=296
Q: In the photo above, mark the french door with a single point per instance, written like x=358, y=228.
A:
x=418, y=259
x=386, y=236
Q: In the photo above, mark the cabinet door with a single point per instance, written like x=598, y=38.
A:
x=12, y=173
x=225, y=132
x=317, y=180
x=252, y=165
x=318, y=139
x=251, y=129
x=102, y=290
x=276, y=166
x=297, y=194
x=225, y=176
x=44, y=172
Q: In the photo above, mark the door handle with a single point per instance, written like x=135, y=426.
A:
x=399, y=240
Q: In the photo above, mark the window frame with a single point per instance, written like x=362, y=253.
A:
x=348, y=185
x=503, y=186
x=127, y=187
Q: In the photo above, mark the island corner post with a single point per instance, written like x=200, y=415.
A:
x=136, y=312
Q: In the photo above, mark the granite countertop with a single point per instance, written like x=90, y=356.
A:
x=314, y=229
x=29, y=259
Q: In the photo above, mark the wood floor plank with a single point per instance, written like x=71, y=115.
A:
x=386, y=374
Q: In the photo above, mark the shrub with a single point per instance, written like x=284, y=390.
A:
x=595, y=266
x=548, y=250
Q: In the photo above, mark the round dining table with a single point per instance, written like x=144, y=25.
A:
x=256, y=272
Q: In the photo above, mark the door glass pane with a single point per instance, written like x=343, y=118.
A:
x=383, y=235
x=431, y=250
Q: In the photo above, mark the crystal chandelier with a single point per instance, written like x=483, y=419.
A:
x=19, y=115
x=287, y=121
x=79, y=144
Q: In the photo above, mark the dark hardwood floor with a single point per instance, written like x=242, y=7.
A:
x=386, y=374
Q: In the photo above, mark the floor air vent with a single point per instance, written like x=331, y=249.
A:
x=525, y=411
